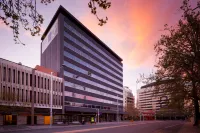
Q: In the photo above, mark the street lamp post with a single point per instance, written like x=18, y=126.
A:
x=51, y=91
x=97, y=115
x=63, y=96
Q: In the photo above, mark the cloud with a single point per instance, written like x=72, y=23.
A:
x=134, y=27
x=3, y=26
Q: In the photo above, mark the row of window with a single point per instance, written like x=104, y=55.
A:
x=88, y=58
x=70, y=56
x=24, y=78
x=101, y=65
x=15, y=95
x=78, y=69
x=79, y=87
x=83, y=105
x=69, y=27
x=81, y=79
x=78, y=43
x=90, y=98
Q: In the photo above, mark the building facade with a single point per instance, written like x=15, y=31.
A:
x=93, y=73
x=147, y=100
x=129, y=99
x=19, y=89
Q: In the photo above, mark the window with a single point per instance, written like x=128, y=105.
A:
x=30, y=79
x=4, y=92
x=26, y=78
x=18, y=94
x=30, y=96
x=38, y=81
x=9, y=75
x=35, y=97
x=38, y=97
x=13, y=76
x=45, y=83
x=53, y=85
x=41, y=98
x=22, y=95
x=48, y=84
x=44, y=98
x=22, y=78
x=18, y=77
x=8, y=94
x=4, y=73
x=47, y=98
x=35, y=81
x=26, y=96
x=41, y=82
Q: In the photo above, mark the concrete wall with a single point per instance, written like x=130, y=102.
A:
x=40, y=120
x=21, y=120
x=1, y=119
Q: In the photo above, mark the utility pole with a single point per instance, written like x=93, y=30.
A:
x=51, y=94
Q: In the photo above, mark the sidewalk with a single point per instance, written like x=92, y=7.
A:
x=189, y=128
x=36, y=127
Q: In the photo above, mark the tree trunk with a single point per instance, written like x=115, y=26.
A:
x=196, y=112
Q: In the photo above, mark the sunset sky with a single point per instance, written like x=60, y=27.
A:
x=134, y=26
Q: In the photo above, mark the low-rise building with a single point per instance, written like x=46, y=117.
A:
x=22, y=86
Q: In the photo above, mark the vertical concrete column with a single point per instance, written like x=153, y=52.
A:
x=32, y=100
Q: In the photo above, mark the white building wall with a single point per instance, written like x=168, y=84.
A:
x=147, y=100
x=15, y=80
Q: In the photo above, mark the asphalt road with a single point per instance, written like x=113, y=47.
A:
x=126, y=127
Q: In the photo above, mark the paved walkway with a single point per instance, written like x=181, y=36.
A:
x=189, y=128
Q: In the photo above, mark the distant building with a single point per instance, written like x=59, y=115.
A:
x=147, y=100
x=92, y=72
x=17, y=85
x=129, y=99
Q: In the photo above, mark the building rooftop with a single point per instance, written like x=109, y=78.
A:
x=45, y=70
x=62, y=10
x=157, y=83
x=38, y=68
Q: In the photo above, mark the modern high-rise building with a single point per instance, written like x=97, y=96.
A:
x=92, y=72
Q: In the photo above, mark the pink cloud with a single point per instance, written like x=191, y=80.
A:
x=134, y=27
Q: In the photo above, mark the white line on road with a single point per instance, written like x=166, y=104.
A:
x=101, y=128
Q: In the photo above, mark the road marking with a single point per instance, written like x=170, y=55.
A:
x=101, y=128
x=173, y=126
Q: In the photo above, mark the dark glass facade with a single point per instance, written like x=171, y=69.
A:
x=93, y=73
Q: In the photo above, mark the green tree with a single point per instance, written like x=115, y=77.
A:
x=23, y=14
x=178, y=52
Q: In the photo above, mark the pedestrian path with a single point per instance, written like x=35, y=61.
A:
x=189, y=128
